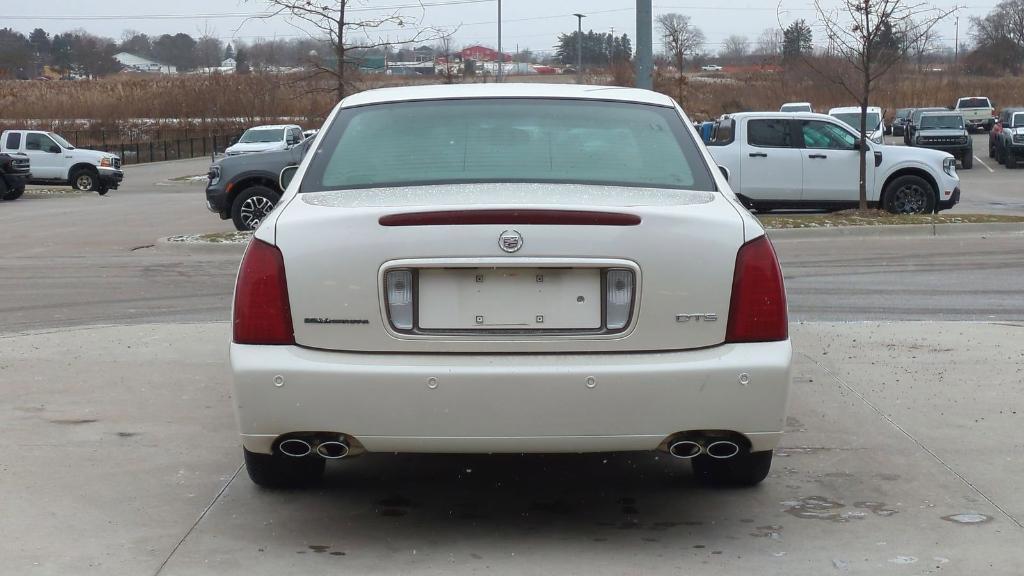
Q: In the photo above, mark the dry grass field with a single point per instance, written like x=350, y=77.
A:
x=219, y=103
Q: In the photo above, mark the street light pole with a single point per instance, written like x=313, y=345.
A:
x=579, y=47
x=501, y=56
x=644, y=44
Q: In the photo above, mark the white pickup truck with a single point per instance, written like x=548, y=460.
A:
x=977, y=111
x=55, y=161
x=805, y=160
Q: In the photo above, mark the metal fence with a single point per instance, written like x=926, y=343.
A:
x=156, y=149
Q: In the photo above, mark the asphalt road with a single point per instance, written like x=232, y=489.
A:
x=122, y=457
x=80, y=259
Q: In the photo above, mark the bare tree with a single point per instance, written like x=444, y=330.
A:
x=347, y=25
x=769, y=43
x=681, y=39
x=923, y=44
x=868, y=38
x=735, y=47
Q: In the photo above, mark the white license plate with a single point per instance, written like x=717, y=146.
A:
x=509, y=299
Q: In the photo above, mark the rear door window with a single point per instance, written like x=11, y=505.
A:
x=770, y=133
x=14, y=141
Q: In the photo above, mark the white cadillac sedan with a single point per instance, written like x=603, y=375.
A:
x=509, y=268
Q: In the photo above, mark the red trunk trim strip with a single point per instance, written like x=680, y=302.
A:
x=475, y=217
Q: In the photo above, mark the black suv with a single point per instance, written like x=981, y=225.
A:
x=245, y=188
x=944, y=131
x=14, y=172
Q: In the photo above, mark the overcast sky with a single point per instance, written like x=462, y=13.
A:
x=532, y=24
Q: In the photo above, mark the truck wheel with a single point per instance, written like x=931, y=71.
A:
x=910, y=195
x=85, y=180
x=252, y=206
x=746, y=469
x=12, y=193
x=279, y=471
x=968, y=160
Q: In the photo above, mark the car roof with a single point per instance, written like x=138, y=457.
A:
x=796, y=104
x=788, y=115
x=274, y=126
x=505, y=90
x=941, y=113
x=845, y=109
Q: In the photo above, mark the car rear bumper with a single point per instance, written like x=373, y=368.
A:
x=470, y=403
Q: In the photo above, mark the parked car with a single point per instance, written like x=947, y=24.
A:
x=246, y=188
x=711, y=68
x=945, y=131
x=55, y=161
x=1011, y=139
x=875, y=121
x=1004, y=119
x=796, y=107
x=899, y=121
x=14, y=172
x=978, y=112
x=915, y=117
x=802, y=160
x=465, y=266
x=266, y=139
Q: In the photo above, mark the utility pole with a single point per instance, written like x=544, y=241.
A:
x=579, y=47
x=956, y=43
x=501, y=55
x=644, y=44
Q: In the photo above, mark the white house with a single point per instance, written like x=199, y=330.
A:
x=229, y=63
x=140, y=64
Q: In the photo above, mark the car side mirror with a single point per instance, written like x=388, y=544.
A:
x=53, y=149
x=725, y=172
x=286, y=176
x=856, y=145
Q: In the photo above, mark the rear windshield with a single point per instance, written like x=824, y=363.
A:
x=974, y=103
x=853, y=119
x=507, y=140
x=253, y=135
x=903, y=112
x=942, y=122
x=795, y=108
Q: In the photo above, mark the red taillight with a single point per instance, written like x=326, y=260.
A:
x=757, y=312
x=262, y=314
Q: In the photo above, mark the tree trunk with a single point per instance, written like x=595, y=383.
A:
x=863, y=204
x=340, y=52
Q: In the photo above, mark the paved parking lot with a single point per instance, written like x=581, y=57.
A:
x=121, y=455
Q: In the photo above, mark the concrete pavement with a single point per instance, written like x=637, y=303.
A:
x=900, y=457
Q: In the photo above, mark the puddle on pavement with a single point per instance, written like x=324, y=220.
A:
x=903, y=560
x=968, y=518
x=820, y=508
x=878, y=508
x=772, y=531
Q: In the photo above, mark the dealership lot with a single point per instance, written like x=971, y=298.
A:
x=122, y=445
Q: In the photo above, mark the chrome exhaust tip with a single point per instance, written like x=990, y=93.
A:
x=722, y=449
x=685, y=449
x=295, y=448
x=332, y=450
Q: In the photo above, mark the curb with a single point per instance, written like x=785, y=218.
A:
x=898, y=230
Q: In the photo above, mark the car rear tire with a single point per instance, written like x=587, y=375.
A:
x=280, y=471
x=910, y=195
x=252, y=206
x=968, y=160
x=744, y=469
x=1010, y=159
x=85, y=180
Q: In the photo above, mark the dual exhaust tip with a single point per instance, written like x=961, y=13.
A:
x=329, y=449
x=690, y=448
